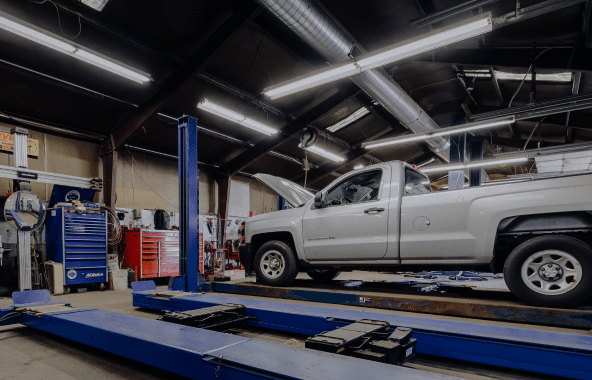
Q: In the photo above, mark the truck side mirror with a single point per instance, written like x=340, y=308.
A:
x=319, y=201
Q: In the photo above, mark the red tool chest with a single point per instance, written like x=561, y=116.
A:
x=152, y=253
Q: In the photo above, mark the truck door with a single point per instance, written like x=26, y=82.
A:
x=353, y=225
x=435, y=226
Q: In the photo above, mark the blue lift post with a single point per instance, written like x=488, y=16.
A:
x=190, y=278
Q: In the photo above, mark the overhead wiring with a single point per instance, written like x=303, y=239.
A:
x=532, y=133
x=525, y=75
x=60, y=19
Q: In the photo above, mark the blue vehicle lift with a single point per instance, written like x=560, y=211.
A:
x=198, y=353
x=192, y=352
x=536, y=350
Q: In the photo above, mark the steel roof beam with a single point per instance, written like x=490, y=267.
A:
x=195, y=64
x=555, y=59
x=549, y=107
x=431, y=17
x=539, y=9
x=287, y=131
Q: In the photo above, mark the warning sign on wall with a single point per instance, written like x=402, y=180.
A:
x=6, y=145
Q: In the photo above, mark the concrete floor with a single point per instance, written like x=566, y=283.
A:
x=492, y=283
x=29, y=354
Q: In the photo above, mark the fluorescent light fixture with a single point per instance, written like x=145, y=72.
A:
x=109, y=65
x=565, y=76
x=440, y=37
x=97, y=5
x=35, y=34
x=477, y=73
x=473, y=164
x=349, y=120
x=557, y=77
x=454, y=33
x=360, y=166
x=317, y=78
x=441, y=132
x=426, y=163
x=227, y=114
x=324, y=153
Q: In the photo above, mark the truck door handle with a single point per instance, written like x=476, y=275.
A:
x=373, y=209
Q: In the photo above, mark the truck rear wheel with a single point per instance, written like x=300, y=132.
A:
x=551, y=271
x=275, y=264
x=323, y=274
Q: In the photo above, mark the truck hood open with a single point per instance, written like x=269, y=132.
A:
x=294, y=194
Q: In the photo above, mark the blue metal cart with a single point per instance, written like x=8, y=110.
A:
x=79, y=242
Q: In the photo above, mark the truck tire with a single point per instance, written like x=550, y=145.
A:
x=550, y=271
x=323, y=274
x=275, y=264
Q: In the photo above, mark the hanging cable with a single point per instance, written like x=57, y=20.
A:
x=525, y=75
x=305, y=167
x=532, y=133
x=115, y=234
x=60, y=20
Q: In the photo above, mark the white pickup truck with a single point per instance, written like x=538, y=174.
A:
x=385, y=217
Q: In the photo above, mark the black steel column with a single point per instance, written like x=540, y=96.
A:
x=475, y=154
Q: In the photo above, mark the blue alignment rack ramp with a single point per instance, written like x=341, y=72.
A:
x=202, y=354
x=537, y=350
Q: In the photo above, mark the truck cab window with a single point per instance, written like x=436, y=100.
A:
x=416, y=183
x=360, y=188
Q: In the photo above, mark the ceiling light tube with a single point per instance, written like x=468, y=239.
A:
x=349, y=120
x=426, y=163
x=471, y=165
x=227, y=114
x=565, y=76
x=52, y=41
x=471, y=27
x=317, y=78
x=441, y=132
x=325, y=153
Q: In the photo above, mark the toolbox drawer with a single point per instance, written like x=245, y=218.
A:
x=85, y=262
x=150, y=266
x=169, y=269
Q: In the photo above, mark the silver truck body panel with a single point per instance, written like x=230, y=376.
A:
x=448, y=227
x=293, y=193
x=463, y=223
x=341, y=232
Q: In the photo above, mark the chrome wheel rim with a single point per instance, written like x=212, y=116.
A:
x=551, y=272
x=272, y=264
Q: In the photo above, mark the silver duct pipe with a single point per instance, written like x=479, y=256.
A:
x=312, y=22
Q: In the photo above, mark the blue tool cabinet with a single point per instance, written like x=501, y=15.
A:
x=79, y=242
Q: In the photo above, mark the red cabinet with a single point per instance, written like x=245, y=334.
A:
x=152, y=253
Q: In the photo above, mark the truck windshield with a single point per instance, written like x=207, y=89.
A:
x=416, y=183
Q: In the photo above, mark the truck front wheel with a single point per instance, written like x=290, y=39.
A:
x=551, y=271
x=275, y=264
